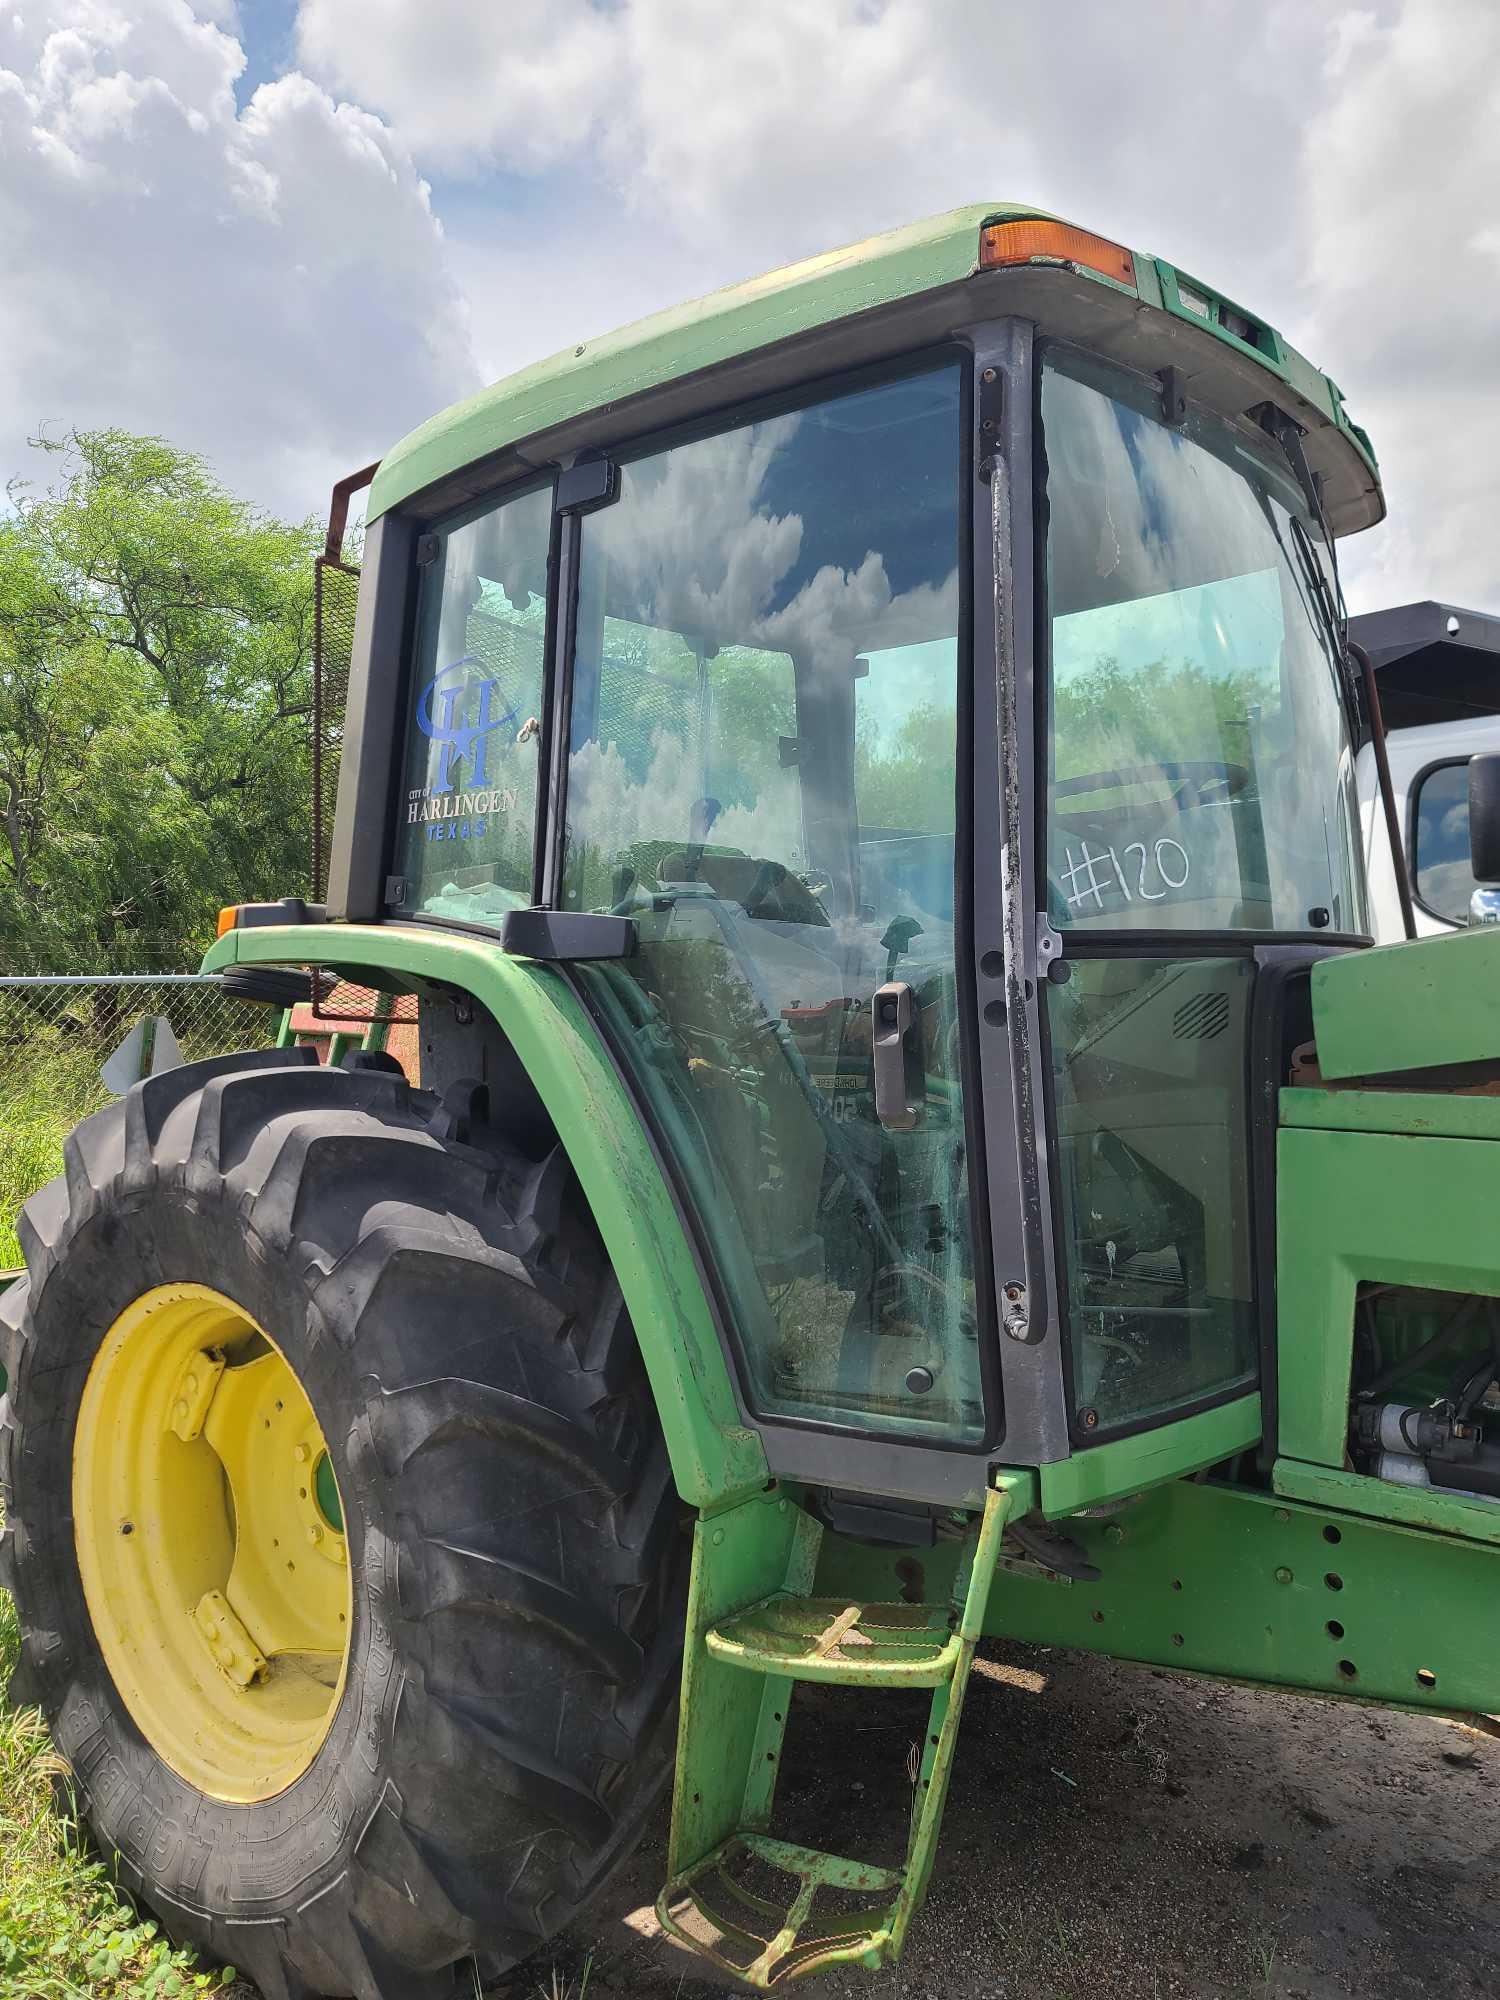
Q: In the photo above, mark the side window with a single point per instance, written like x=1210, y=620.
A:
x=1149, y=1081
x=1441, y=874
x=468, y=801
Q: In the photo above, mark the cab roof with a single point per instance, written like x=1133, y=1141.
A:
x=906, y=286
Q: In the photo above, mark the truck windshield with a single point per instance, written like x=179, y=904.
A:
x=1201, y=770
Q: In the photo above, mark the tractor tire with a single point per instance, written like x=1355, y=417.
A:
x=516, y=1565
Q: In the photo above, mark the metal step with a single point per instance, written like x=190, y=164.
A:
x=766, y=1910
x=828, y=1639
x=714, y=1911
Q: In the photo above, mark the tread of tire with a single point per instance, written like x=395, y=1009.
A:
x=308, y=1158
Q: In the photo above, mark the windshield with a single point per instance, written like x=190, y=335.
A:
x=1201, y=770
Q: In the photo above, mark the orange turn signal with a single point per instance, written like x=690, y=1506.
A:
x=228, y=918
x=1037, y=240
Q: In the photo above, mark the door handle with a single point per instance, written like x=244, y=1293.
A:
x=896, y=1034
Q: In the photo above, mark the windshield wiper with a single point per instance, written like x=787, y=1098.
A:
x=1330, y=611
x=1328, y=599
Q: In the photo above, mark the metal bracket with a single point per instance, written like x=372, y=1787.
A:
x=1173, y=397
x=1015, y=1310
x=582, y=488
x=991, y=410
x=893, y=1018
x=1049, y=952
x=194, y=1392
x=229, y=1645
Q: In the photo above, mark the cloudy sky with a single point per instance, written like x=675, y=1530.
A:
x=284, y=231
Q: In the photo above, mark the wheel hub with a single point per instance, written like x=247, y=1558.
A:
x=211, y=1545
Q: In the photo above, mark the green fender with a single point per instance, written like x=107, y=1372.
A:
x=714, y=1457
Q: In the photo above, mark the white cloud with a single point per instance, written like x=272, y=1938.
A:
x=524, y=81
x=1402, y=177
x=268, y=286
x=1335, y=167
x=272, y=285
x=791, y=127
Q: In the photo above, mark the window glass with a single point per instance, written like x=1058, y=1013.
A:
x=1440, y=842
x=468, y=803
x=763, y=773
x=1149, y=1069
x=1201, y=775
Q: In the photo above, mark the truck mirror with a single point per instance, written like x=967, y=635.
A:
x=1484, y=836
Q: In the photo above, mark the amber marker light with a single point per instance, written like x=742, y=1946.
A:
x=1035, y=239
x=228, y=917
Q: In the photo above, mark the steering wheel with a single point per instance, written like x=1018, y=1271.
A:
x=1198, y=782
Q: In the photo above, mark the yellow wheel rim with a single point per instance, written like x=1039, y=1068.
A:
x=210, y=1538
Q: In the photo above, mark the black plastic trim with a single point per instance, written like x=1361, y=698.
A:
x=974, y=400
x=374, y=715
x=566, y=935
x=290, y=910
x=587, y=484
x=1198, y=944
x=557, y=713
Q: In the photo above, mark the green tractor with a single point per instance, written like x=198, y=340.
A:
x=852, y=784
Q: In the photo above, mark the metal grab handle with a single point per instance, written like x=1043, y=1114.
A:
x=895, y=1026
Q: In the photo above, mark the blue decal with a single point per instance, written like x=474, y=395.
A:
x=462, y=738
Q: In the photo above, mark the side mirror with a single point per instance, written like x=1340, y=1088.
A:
x=1484, y=836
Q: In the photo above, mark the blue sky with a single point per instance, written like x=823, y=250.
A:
x=284, y=231
x=268, y=36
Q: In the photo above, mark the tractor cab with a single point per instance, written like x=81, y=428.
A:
x=918, y=764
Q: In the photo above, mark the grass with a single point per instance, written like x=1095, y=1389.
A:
x=49, y=1086
x=49, y=1071
x=65, y=1932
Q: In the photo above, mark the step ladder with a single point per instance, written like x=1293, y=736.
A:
x=754, y=1631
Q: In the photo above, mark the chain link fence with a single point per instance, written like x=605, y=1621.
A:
x=55, y=1037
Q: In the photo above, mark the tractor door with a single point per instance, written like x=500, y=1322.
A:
x=1200, y=818
x=765, y=768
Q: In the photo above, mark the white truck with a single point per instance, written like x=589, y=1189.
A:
x=1437, y=668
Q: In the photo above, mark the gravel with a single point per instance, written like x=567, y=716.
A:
x=1123, y=1833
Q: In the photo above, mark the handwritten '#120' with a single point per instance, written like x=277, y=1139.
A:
x=1084, y=881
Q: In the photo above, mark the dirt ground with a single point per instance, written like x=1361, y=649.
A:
x=1116, y=1833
